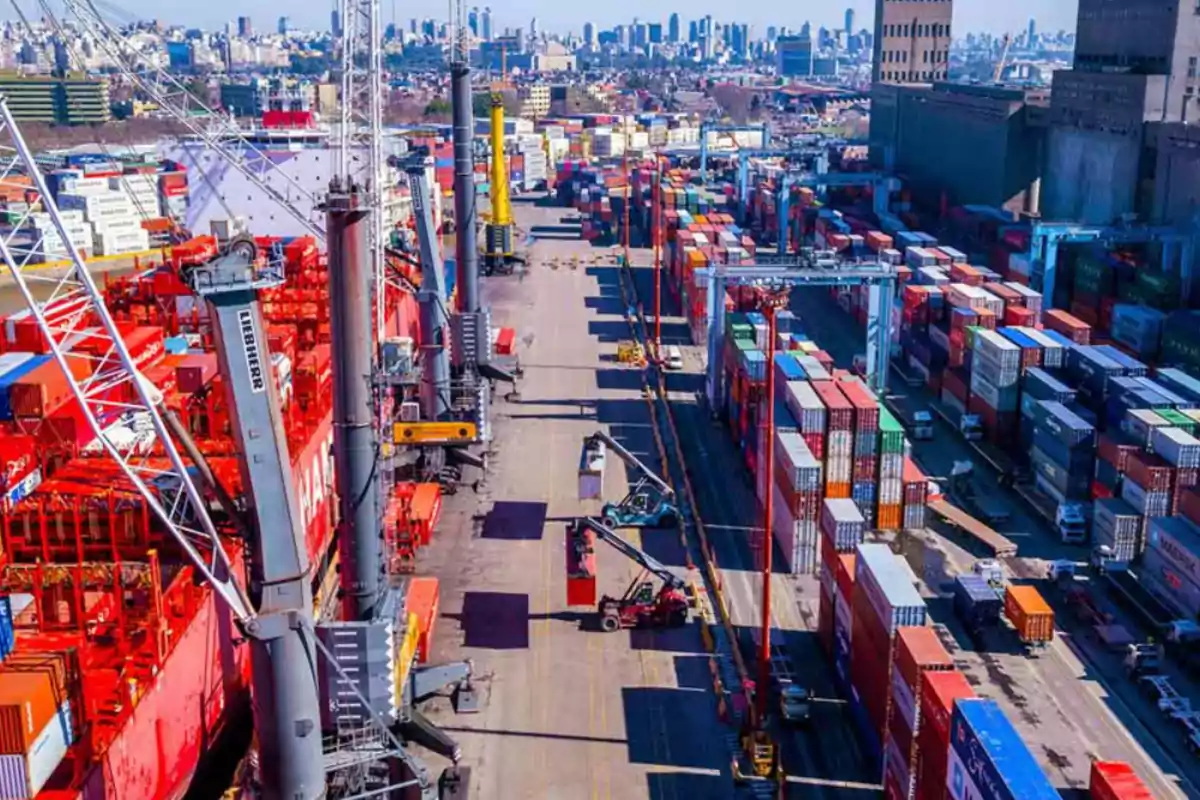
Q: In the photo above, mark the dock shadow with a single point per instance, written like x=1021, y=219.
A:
x=692, y=785
x=495, y=620
x=671, y=727
x=515, y=520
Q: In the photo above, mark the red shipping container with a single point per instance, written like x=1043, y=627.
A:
x=953, y=383
x=864, y=469
x=505, y=341
x=1114, y=452
x=195, y=372
x=1185, y=479
x=965, y=273
x=1018, y=316
x=816, y=444
x=919, y=650
x=840, y=413
x=939, y=690
x=422, y=600
x=1116, y=780
x=1189, y=505
x=845, y=574
x=1069, y=326
x=582, y=591
x=1150, y=471
x=866, y=408
x=45, y=389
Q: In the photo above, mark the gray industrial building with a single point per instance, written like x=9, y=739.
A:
x=976, y=144
x=912, y=40
x=1135, y=69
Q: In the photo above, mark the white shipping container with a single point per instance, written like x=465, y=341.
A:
x=1177, y=446
x=1140, y=423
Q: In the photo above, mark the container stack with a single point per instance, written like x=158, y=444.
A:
x=1171, y=560
x=864, y=473
x=1117, y=526
x=841, y=531
x=940, y=691
x=1062, y=453
x=918, y=651
x=797, y=487
x=884, y=600
x=916, y=495
x=995, y=371
x=891, y=474
x=839, y=438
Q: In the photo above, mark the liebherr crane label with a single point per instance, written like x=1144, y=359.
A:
x=253, y=358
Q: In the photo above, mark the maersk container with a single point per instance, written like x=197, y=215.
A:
x=806, y=406
x=843, y=523
x=988, y=759
x=1180, y=449
x=1178, y=540
x=1041, y=385
x=975, y=601
x=1166, y=581
x=1117, y=524
x=1179, y=382
x=888, y=584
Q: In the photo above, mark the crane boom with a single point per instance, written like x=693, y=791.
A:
x=668, y=494
x=634, y=554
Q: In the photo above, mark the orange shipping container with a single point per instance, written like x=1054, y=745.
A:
x=42, y=391
x=27, y=704
x=1029, y=613
x=423, y=598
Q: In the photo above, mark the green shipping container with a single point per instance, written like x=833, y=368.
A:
x=1178, y=420
x=891, y=433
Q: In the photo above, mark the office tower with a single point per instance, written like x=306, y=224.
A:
x=533, y=29
x=589, y=34
x=806, y=29
x=335, y=23
x=673, y=28
x=772, y=34
x=693, y=31
x=794, y=56
x=485, y=24
x=284, y=26
x=245, y=31
x=849, y=22
x=654, y=32
x=473, y=21
x=1032, y=32
x=912, y=40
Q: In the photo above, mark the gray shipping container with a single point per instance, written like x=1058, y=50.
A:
x=1179, y=543
x=803, y=469
x=1118, y=525
x=843, y=523
x=1166, y=583
x=806, y=406
x=1177, y=446
x=888, y=584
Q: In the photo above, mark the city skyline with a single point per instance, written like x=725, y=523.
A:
x=969, y=15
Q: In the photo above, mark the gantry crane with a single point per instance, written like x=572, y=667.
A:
x=650, y=501
x=641, y=605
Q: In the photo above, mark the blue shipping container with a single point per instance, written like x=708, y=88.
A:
x=1062, y=423
x=1131, y=366
x=1180, y=383
x=1059, y=339
x=8, y=636
x=1043, y=386
x=976, y=602
x=988, y=760
x=787, y=368
x=1177, y=400
x=1091, y=369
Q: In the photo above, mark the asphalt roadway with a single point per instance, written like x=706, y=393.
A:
x=568, y=712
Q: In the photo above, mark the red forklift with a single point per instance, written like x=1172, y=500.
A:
x=641, y=606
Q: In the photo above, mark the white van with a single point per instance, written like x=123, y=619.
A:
x=674, y=358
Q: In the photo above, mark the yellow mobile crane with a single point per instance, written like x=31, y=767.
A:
x=498, y=247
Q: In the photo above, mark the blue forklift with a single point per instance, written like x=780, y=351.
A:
x=650, y=502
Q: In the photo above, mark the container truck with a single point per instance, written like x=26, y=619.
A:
x=1067, y=518
x=1031, y=617
x=975, y=498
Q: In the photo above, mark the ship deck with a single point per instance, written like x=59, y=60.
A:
x=567, y=712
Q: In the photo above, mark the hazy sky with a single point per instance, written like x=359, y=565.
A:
x=554, y=15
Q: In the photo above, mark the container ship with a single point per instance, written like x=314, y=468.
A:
x=120, y=670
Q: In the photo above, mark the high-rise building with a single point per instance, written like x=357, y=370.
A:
x=485, y=24
x=1032, y=32
x=589, y=34
x=473, y=20
x=850, y=23
x=284, y=26
x=673, y=28
x=912, y=40
x=693, y=31
x=771, y=33
x=335, y=23
x=533, y=29
x=244, y=30
x=794, y=56
x=806, y=29
x=654, y=33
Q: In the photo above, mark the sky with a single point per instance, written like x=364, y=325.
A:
x=995, y=16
